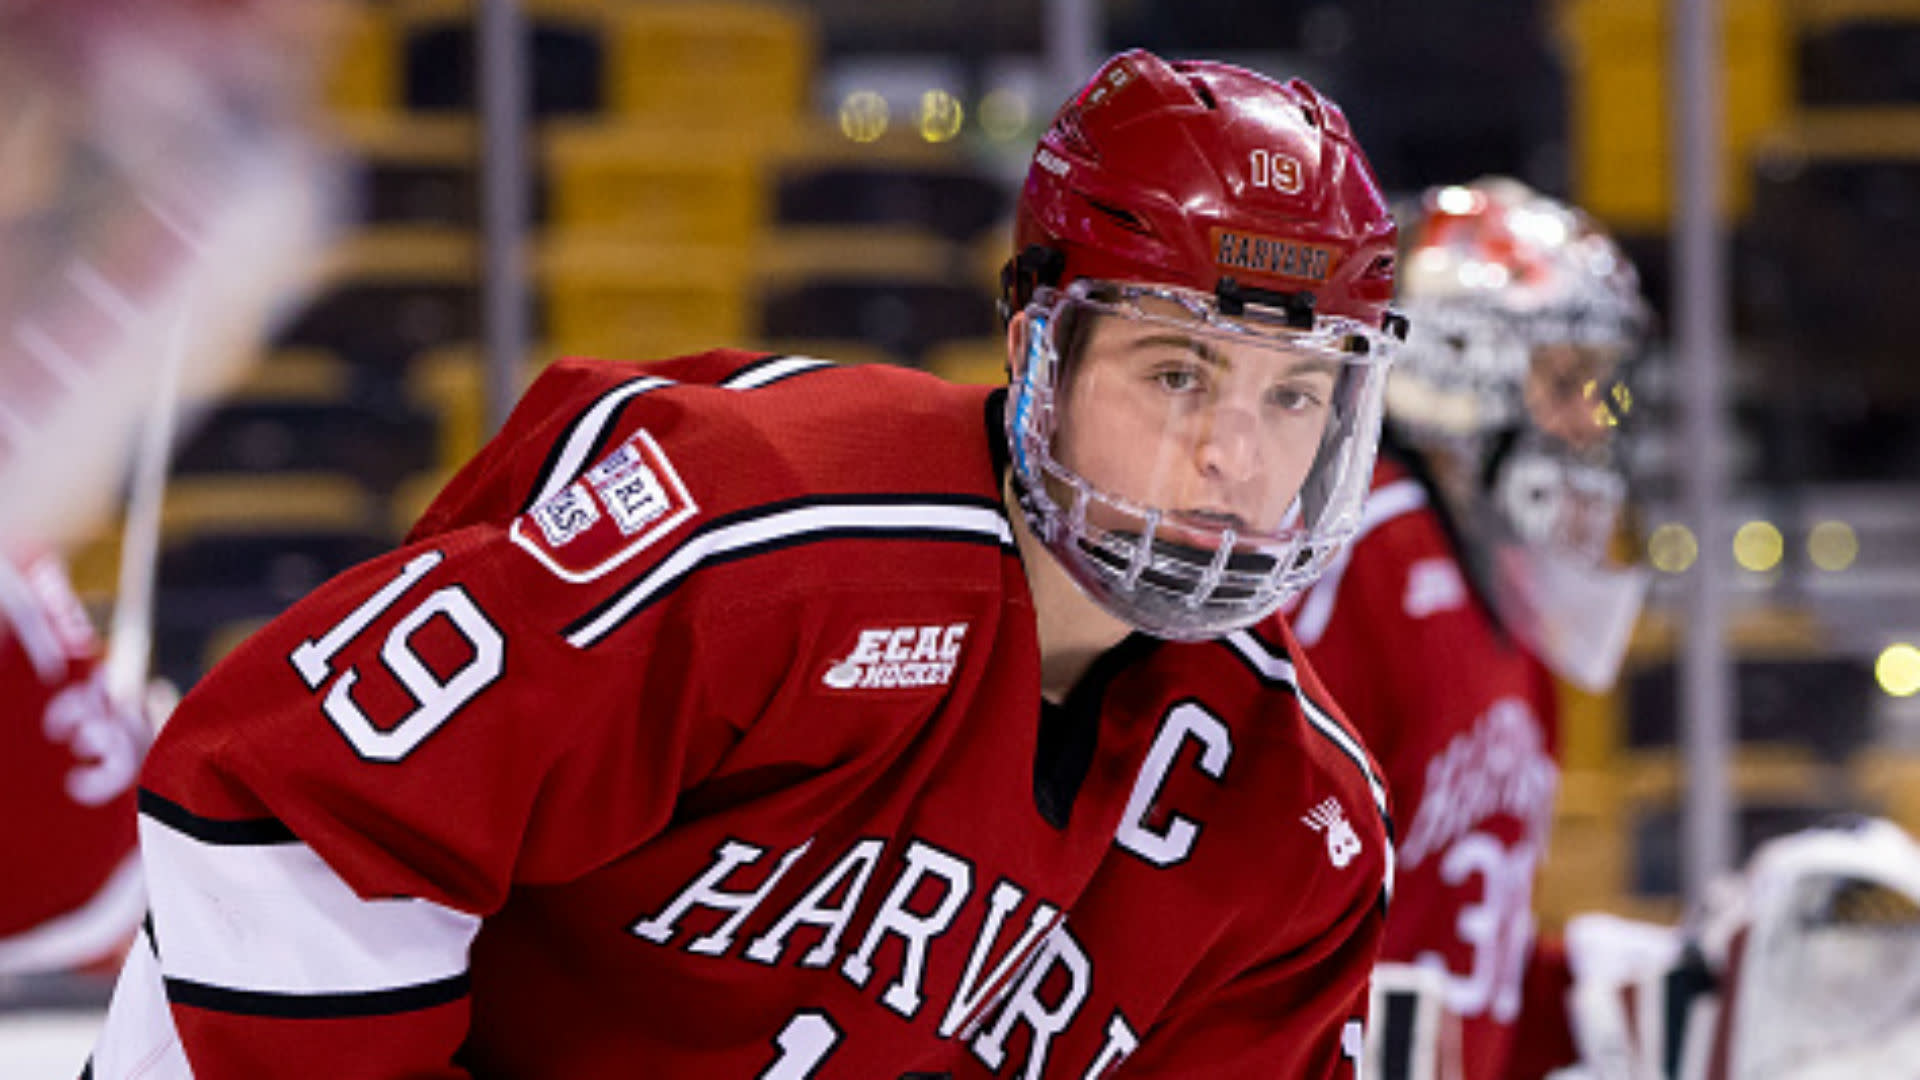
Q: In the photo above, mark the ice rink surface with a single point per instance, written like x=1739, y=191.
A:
x=48, y=1044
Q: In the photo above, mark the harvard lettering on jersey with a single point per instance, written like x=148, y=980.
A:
x=1463, y=724
x=745, y=789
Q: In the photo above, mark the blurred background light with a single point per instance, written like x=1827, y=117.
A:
x=1672, y=549
x=1758, y=546
x=1832, y=545
x=1004, y=115
x=941, y=115
x=1898, y=669
x=863, y=116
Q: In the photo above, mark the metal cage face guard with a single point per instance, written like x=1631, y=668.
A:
x=1191, y=459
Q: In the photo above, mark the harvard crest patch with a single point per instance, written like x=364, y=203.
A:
x=631, y=498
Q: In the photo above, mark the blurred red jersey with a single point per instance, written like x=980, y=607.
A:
x=697, y=731
x=67, y=765
x=1463, y=723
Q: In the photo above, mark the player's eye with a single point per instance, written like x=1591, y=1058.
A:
x=1178, y=378
x=1295, y=397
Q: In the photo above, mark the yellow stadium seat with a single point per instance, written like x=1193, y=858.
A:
x=609, y=298
x=1617, y=90
x=1588, y=857
x=1888, y=782
x=226, y=637
x=785, y=255
x=834, y=350
x=413, y=497
x=294, y=374
x=980, y=361
x=703, y=64
x=260, y=502
x=450, y=381
x=363, y=70
x=659, y=186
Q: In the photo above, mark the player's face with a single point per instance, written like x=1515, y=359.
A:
x=1214, y=432
x=1565, y=393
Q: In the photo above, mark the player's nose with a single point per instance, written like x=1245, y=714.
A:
x=1229, y=446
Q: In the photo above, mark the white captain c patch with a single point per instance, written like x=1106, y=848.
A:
x=626, y=501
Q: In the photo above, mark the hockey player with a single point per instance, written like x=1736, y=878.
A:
x=751, y=716
x=1480, y=572
x=68, y=755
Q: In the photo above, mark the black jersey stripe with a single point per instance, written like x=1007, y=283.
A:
x=791, y=523
x=1275, y=667
x=585, y=438
x=230, y=832
x=289, y=1006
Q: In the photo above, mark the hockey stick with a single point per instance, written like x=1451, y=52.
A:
x=130, y=638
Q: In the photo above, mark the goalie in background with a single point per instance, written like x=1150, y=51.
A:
x=1805, y=966
x=1481, y=572
x=163, y=199
x=68, y=757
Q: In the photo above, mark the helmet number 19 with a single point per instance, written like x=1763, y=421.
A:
x=1274, y=171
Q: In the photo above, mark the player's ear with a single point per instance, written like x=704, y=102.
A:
x=1017, y=328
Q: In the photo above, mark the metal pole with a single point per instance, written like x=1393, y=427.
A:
x=1700, y=304
x=501, y=51
x=1076, y=43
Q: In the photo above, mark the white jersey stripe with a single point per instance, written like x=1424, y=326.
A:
x=771, y=370
x=792, y=525
x=1396, y=499
x=586, y=434
x=138, y=1040
x=240, y=916
x=1280, y=669
x=592, y=426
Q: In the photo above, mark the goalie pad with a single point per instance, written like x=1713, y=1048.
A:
x=1823, y=972
x=1804, y=967
x=1411, y=1034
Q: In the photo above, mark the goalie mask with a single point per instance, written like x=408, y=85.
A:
x=1525, y=318
x=1204, y=271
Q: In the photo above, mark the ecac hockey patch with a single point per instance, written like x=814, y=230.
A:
x=631, y=498
x=897, y=657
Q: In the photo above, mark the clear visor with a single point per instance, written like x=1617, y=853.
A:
x=1196, y=467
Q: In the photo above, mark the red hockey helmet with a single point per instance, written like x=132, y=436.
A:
x=1188, y=172
x=1204, y=266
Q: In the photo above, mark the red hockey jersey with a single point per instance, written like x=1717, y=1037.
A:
x=67, y=765
x=1463, y=723
x=697, y=732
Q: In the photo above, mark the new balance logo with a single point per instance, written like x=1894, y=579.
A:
x=1342, y=842
x=1433, y=586
x=901, y=656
